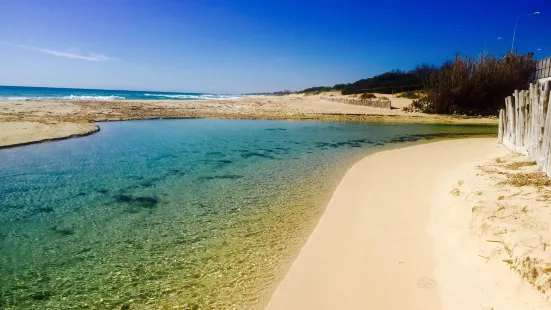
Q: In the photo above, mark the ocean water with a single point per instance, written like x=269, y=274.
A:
x=190, y=214
x=48, y=93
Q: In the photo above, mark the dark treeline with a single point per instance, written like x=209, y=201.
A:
x=391, y=82
x=275, y=93
x=317, y=90
x=386, y=83
x=465, y=85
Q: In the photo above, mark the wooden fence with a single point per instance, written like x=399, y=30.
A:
x=543, y=69
x=525, y=124
x=383, y=104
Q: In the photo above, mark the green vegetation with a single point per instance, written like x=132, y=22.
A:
x=367, y=96
x=387, y=83
x=316, y=90
x=392, y=81
x=276, y=93
x=409, y=95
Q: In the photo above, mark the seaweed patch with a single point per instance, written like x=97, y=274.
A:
x=255, y=154
x=143, y=202
x=221, y=177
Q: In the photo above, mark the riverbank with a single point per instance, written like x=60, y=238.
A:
x=48, y=114
x=389, y=239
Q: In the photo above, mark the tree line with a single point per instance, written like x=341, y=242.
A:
x=464, y=85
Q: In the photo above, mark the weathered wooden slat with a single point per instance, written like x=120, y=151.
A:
x=384, y=104
x=525, y=124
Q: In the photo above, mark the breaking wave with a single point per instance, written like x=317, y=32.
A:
x=70, y=97
x=191, y=96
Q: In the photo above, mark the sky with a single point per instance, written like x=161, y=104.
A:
x=238, y=46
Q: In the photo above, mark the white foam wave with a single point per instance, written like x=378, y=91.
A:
x=107, y=98
x=192, y=96
x=70, y=97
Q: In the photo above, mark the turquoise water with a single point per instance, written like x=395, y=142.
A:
x=197, y=214
x=50, y=93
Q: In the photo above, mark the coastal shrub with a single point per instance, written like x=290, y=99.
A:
x=475, y=86
x=408, y=95
x=367, y=96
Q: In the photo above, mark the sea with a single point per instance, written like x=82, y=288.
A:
x=18, y=93
x=166, y=214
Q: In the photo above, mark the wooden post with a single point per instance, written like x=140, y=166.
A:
x=546, y=162
x=525, y=124
x=500, y=126
x=521, y=120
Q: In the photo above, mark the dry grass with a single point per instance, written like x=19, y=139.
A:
x=519, y=164
x=518, y=204
x=368, y=96
x=491, y=170
x=535, y=179
x=455, y=192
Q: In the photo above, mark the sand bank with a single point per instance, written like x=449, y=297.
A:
x=372, y=248
x=291, y=107
x=21, y=133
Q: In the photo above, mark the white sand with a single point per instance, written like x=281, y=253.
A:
x=483, y=218
x=372, y=250
x=20, y=133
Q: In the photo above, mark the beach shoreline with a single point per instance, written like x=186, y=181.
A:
x=359, y=257
x=49, y=114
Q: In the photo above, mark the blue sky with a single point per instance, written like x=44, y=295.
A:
x=249, y=46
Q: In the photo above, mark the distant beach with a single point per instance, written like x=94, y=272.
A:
x=64, y=113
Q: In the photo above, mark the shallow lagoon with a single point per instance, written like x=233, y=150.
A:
x=191, y=213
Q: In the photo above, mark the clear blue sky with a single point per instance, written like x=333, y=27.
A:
x=248, y=46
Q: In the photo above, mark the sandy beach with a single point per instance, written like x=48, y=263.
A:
x=42, y=119
x=22, y=133
x=400, y=233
